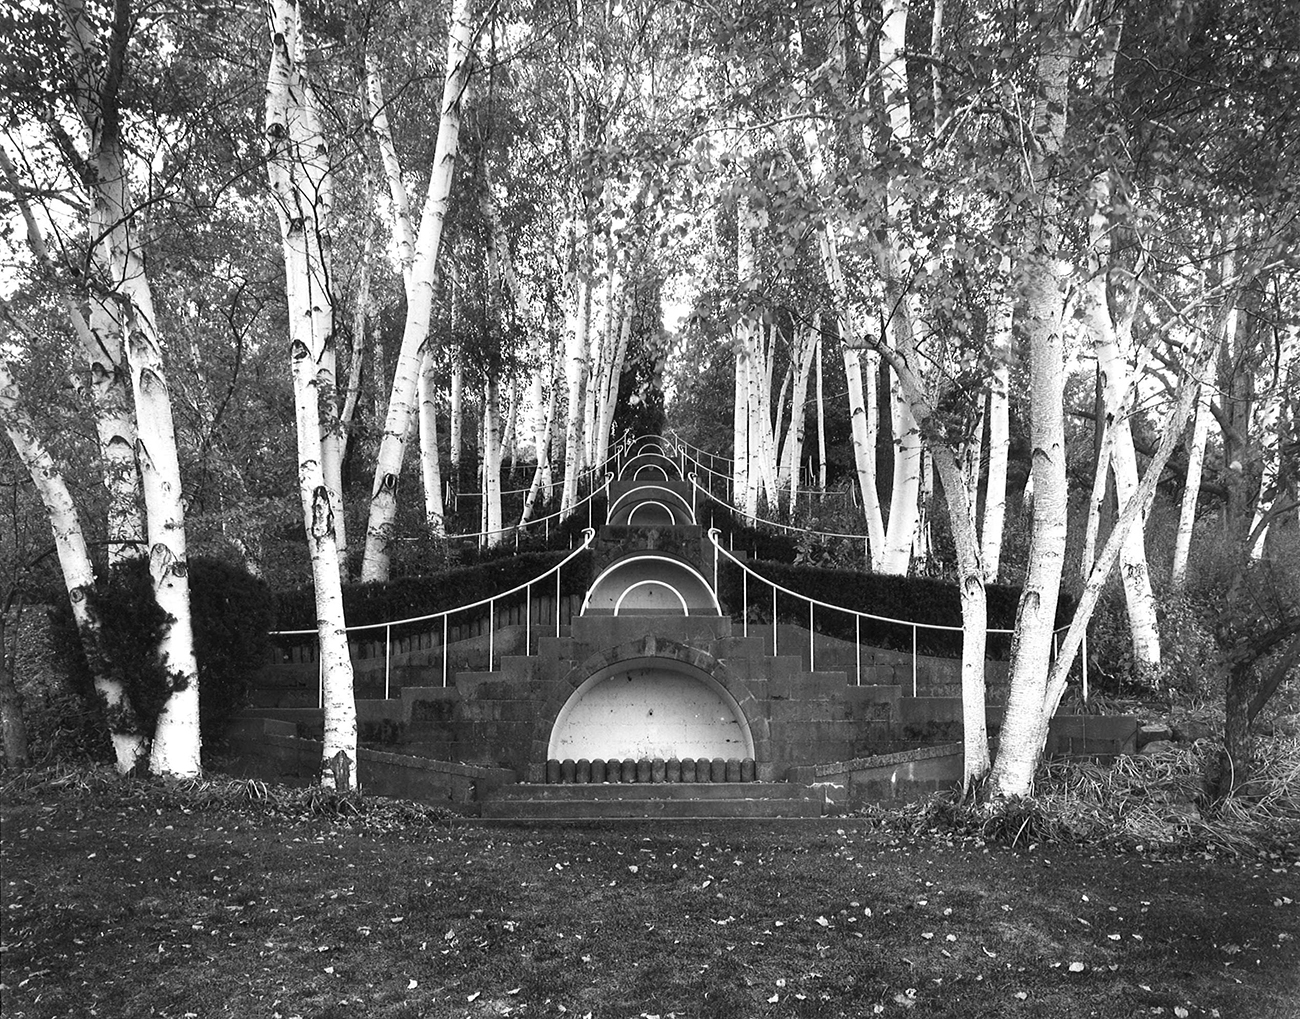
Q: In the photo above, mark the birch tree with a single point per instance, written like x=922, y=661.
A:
x=298, y=166
x=129, y=744
x=461, y=36
x=99, y=67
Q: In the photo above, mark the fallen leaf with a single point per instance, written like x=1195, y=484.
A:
x=1076, y=967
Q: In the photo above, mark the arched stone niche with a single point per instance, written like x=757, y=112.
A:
x=651, y=583
x=650, y=708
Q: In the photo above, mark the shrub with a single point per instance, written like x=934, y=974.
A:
x=914, y=599
x=231, y=612
x=405, y=597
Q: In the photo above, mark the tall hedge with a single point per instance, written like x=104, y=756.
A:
x=232, y=612
x=405, y=597
x=913, y=599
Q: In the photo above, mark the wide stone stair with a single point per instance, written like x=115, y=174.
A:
x=678, y=801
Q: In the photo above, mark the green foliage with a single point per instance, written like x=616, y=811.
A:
x=231, y=611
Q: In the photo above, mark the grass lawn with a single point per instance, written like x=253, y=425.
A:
x=139, y=906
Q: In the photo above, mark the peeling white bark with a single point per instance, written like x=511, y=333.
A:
x=415, y=334
x=294, y=144
x=74, y=561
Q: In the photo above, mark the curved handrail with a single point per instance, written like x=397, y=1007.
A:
x=764, y=520
x=684, y=445
x=588, y=536
x=531, y=521
x=858, y=615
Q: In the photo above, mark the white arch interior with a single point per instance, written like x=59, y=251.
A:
x=666, y=496
x=650, y=467
x=645, y=509
x=634, y=563
x=649, y=599
x=650, y=707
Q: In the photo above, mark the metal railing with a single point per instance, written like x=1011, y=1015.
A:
x=445, y=615
x=587, y=475
x=813, y=604
x=719, y=487
x=517, y=528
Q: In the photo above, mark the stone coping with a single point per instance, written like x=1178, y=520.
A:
x=884, y=760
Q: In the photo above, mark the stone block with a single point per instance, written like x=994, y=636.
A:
x=598, y=771
x=582, y=772
x=673, y=770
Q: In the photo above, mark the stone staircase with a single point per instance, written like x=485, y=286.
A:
x=643, y=670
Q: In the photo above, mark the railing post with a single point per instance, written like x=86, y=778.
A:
x=774, y=620
x=528, y=618
x=812, y=638
x=492, y=630
x=857, y=642
x=445, y=618
x=557, y=603
x=744, y=600
x=913, y=659
x=388, y=655
x=320, y=677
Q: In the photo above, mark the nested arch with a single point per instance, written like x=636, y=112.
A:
x=671, y=504
x=653, y=575
x=650, y=467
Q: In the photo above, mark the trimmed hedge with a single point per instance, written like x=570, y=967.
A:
x=916, y=599
x=231, y=611
x=365, y=604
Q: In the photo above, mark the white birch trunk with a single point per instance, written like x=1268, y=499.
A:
x=400, y=212
x=74, y=561
x=794, y=440
x=430, y=465
x=864, y=451
x=415, y=335
x=540, y=485
x=904, y=501
x=293, y=145
x=101, y=339
x=615, y=377
x=118, y=258
x=1191, y=491
x=1024, y=728
x=492, y=461
x=740, y=429
x=576, y=368
x=821, y=420
x=995, y=486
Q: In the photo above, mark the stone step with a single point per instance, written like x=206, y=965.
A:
x=678, y=802
x=655, y=791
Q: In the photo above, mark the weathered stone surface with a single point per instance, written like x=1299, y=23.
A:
x=1153, y=732
x=582, y=773
x=552, y=770
x=690, y=773
x=658, y=769
x=717, y=770
x=598, y=771
x=1157, y=747
x=747, y=770
x=733, y=769
x=673, y=770
x=644, y=771
x=628, y=770
x=567, y=769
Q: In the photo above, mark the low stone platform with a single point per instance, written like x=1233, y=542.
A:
x=677, y=801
